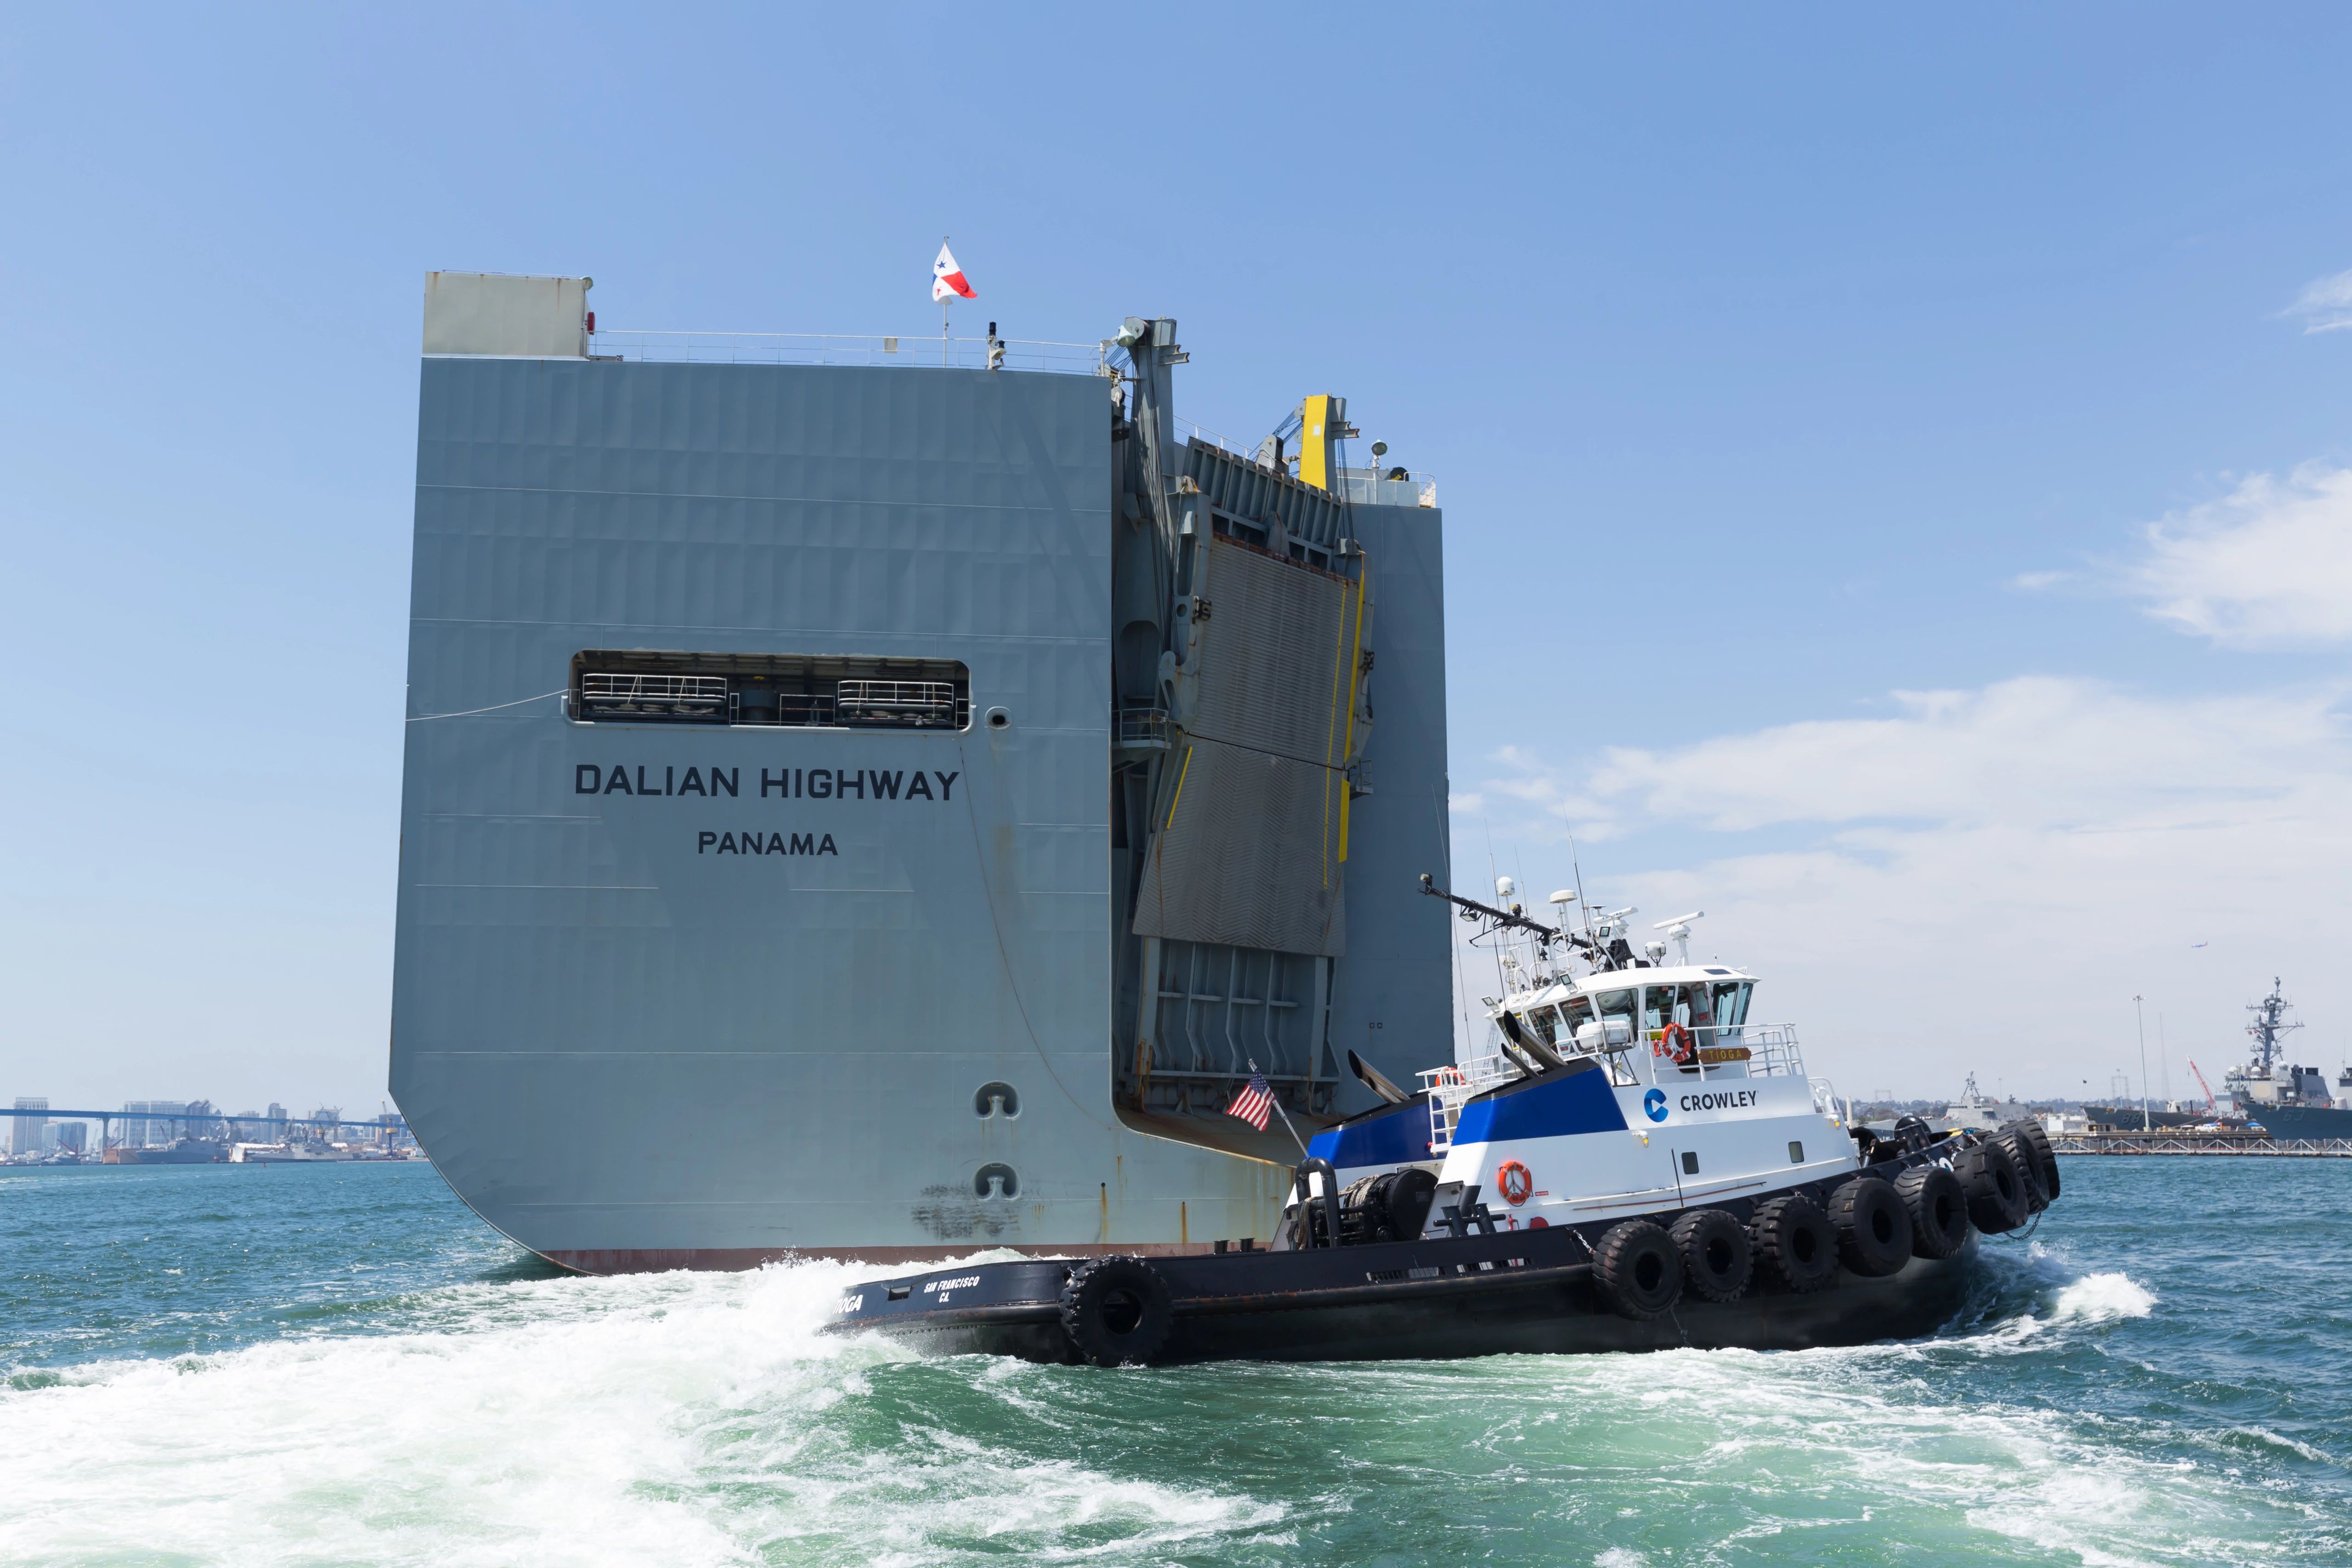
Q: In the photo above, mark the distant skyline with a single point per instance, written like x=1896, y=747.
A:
x=1897, y=468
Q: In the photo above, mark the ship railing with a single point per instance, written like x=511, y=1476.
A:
x=1365, y=486
x=1772, y=1050
x=1143, y=727
x=680, y=694
x=919, y=703
x=1187, y=430
x=1744, y=1050
x=846, y=349
x=1451, y=1087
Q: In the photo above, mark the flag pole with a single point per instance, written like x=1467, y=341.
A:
x=1286, y=1127
x=943, y=316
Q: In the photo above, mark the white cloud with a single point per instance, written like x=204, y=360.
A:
x=2324, y=304
x=2268, y=565
x=1982, y=880
x=2036, y=752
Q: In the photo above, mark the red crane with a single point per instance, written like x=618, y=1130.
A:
x=2210, y=1102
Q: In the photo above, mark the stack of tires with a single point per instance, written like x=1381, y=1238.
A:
x=1872, y=1226
x=1642, y=1270
x=2008, y=1176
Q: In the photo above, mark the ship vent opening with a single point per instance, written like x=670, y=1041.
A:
x=808, y=691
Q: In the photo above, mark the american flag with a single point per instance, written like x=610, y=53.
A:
x=1253, y=1104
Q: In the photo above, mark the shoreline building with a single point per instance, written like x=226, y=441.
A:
x=151, y=1123
x=25, y=1134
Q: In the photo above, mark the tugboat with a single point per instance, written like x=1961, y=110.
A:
x=1639, y=1166
x=2286, y=1100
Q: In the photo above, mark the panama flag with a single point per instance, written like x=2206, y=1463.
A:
x=948, y=279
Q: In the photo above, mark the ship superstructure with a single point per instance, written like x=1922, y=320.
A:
x=858, y=805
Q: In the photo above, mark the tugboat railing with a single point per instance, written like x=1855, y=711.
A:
x=1451, y=1087
x=1771, y=1049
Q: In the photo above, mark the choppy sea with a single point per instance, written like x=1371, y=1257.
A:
x=324, y=1365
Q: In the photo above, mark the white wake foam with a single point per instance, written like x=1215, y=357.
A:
x=697, y=1419
x=2102, y=1299
x=680, y=1419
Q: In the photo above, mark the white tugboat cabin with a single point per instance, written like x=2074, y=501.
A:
x=1636, y=1087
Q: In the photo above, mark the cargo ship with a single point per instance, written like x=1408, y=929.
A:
x=865, y=801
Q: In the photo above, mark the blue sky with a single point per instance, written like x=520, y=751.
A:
x=1771, y=366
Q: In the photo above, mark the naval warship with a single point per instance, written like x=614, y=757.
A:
x=2287, y=1099
x=865, y=801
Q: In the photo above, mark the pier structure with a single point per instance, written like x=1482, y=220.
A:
x=2187, y=1141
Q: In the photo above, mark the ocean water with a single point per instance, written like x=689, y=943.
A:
x=257, y=1366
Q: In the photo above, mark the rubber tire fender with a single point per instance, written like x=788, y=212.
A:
x=2029, y=1169
x=1940, y=1210
x=1794, y=1243
x=1996, y=1187
x=1718, y=1258
x=1117, y=1311
x=1873, y=1226
x=1639, y=1270
x=2030, y=1132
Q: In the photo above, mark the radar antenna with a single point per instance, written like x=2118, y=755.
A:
x=1678, y=929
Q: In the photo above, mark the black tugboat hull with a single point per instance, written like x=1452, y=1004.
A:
x=1478, y=1296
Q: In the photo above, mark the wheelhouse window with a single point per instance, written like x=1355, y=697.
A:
x=1574, y=1013
x=789, y=690
x=1731, y=1003
x=1617, y=1012
x=1657, y=1008
x=1692, y=1007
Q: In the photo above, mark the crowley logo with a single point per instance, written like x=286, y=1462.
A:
x=1653, y=1105
x=1515, y=1181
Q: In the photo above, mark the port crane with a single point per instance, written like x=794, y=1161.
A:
x=2211, y=1103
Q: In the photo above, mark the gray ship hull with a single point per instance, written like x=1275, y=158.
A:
x=660, y=1001
x=2301, y=1121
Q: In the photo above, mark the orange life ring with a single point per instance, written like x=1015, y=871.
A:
x=1515, y=1182
x=1683, y=1055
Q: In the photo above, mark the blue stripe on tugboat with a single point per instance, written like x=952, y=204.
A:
x=1397, y=1136
x=1548, y=1107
